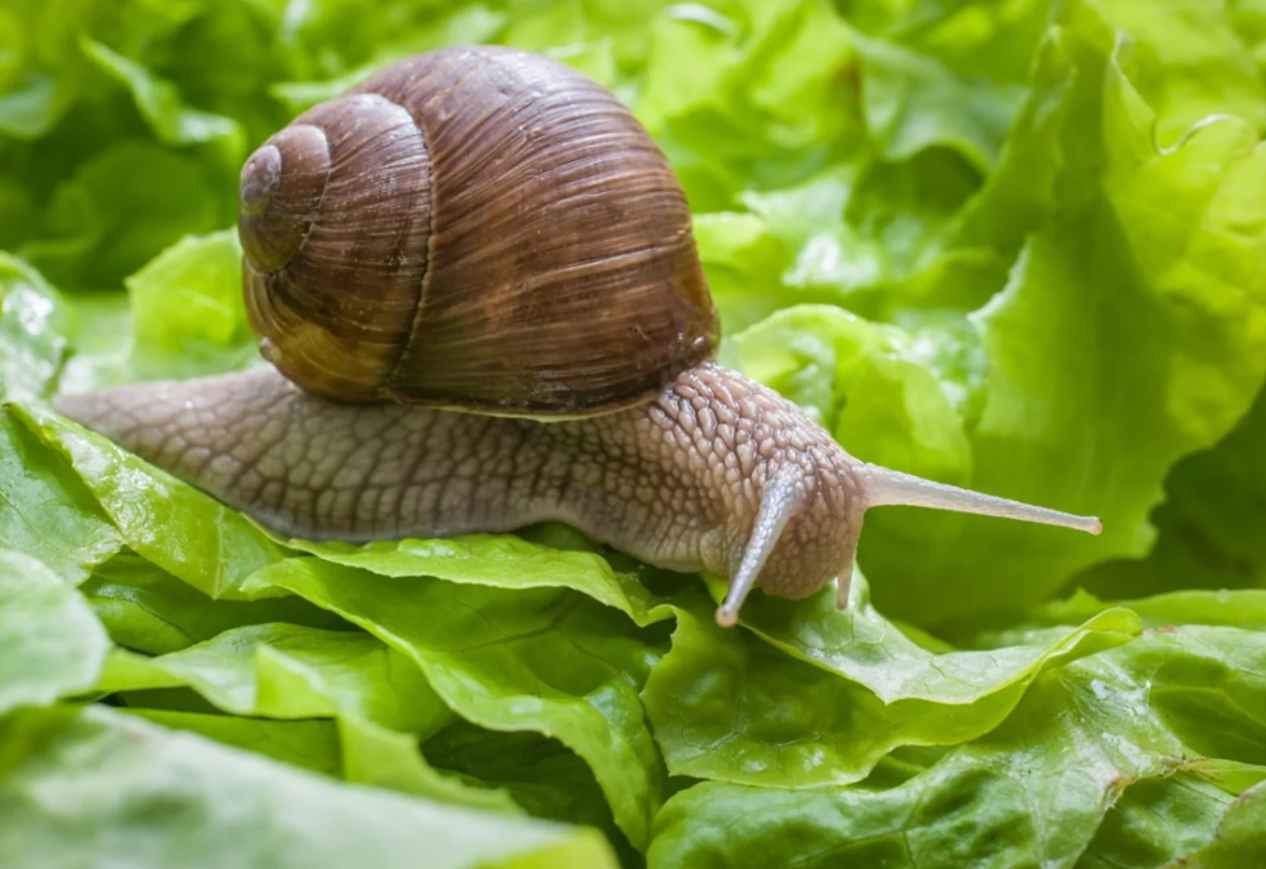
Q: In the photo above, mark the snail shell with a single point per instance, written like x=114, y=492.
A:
x=475, y=228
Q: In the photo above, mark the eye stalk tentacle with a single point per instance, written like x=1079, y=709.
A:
x=779, y=501
x=885, y=487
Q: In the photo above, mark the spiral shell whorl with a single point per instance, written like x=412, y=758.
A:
x=335, y=217
x=281, y=186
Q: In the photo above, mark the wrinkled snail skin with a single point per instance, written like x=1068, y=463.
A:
x=476, y=283
x=677, y=482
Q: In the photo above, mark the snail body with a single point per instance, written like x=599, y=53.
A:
x=676, y=482
x=475, y=282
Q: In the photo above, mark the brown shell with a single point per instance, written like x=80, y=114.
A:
x=479, y=228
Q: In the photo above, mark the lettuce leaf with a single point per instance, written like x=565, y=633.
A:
x=227, y=807
x=543, y=659
x=1208, y=528
x=51, y=644
x=1033, y=792
x=180, y=529
x=381, y=703
x=146, y=609
x=542, y=775
x=47, y=511
x=1238, y=840
x=35, y=326
x=1014, y=246
x=481, y=559
x=1157, y=820
x=310, y=745
x=742, y=709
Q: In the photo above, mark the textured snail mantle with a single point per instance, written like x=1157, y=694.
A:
x=475, y=279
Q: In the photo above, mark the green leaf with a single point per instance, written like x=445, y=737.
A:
x=741, y=708
x=913, y=103
x=791, y=246
x=46, y=511
x=339, y=30
x=1211, y=678
x=767, y=109
x=192, y=290
x=867, y=648
x=1241, y=609
x=36, y=86
x=1155, y=821
x=1238, y=841
x=289, y=671
x=310, y=745
x=147, y=609
x=1189, y=63
x=224, y=807
x=981, y=242
x=498, y=561
x=34, y=332
x=1247, y=19
x=991, y=44
x=1033, y=792
x=120, y=209
x=542, y=775
x=871, y=384
x=51, y=645
x=30, y=111
x=388, y=758
x=1207, y=529
x=188, y=311
x=184, y=316
x=159, y=103
x=726, y=706
x=381, y=702
x=540, y=658
x=185, y=532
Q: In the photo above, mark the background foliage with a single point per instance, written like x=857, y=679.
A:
x=1017, y=245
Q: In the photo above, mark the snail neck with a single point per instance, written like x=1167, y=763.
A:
x=766, y=493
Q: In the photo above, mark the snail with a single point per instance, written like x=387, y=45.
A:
x=475, y=286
